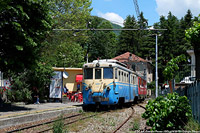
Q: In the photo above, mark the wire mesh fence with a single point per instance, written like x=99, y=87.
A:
x=192, y=91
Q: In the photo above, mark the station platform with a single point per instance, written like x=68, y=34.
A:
x=19, y=113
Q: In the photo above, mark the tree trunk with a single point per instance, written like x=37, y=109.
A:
x=197, y=61
x=170, y=86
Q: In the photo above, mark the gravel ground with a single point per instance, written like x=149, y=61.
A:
x=108, y=122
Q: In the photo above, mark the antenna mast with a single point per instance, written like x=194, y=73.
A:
x=137, y=9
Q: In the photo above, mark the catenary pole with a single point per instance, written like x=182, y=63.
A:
x=156, y=65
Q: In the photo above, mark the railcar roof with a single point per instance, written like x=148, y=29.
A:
x=107, y=62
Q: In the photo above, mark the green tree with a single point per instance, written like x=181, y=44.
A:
x=182, y=45
x=100, y=43
x=23, y=26
x=135, y=41
x=31, y=82
x=128, y=40
x=63, y=47
x=172, y=67
x=193, y=35
x=144, y=37
x=167, y=42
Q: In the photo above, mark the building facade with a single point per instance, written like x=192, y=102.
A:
x=137, y=64
x=193, y=71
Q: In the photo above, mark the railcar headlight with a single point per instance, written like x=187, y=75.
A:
x=104, y=86
x=108, y=88
x=97, y=65
x=90, y=86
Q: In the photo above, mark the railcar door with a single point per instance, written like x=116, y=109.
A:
x=129, y=84
x=98, y=80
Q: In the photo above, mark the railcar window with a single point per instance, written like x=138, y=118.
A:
x=97, y=73
x=88, y=73
x=119, y=75
x=130, y=78
x=122, y=76
x=127, y=77
x=115, y=73
x=108, y=73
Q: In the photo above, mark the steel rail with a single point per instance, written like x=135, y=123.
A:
x=36, y=125
x=141, y=106
x=68, y=123
x=133, y=111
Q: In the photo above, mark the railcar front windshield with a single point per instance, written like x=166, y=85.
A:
x=88, y=73
x=97, y=73
x=108, y=73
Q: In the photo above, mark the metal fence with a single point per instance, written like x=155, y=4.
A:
x=192, y=92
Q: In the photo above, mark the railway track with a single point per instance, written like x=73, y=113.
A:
x=47, y=126
x=117, y=129
x=41, y=123
x=141, y=106
x=131, y=115
x=70, y=119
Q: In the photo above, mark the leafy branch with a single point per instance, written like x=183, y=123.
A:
x=172, y=67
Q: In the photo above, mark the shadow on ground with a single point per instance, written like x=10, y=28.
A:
x=10, y=107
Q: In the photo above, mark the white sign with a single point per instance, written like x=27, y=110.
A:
x=56, y=85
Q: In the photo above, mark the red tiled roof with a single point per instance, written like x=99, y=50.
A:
x=124, y=58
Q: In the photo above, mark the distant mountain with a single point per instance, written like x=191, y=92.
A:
x=115, y=26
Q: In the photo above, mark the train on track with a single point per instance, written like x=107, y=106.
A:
x=109, y=82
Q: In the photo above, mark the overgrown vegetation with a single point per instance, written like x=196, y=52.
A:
x=192, y=125
x=58, y=126
x=135, y=124
x=168, y=113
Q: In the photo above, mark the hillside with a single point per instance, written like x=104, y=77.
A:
x=115, y=26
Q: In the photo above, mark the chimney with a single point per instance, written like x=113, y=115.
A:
x=130, y=58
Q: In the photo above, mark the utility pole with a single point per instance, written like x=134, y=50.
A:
x=156, y=65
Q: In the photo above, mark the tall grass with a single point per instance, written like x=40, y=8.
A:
x=58, y=126
x=192, y=125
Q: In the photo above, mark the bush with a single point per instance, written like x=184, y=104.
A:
x=23, y=95
x=58, y=125
x=168, y=113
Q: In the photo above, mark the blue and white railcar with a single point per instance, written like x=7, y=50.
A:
x=108, y=82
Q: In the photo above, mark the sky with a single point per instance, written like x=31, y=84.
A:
x=117, y=10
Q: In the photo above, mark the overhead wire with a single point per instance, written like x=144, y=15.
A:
x=93, y=29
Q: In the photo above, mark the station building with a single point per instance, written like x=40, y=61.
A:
x=69, y=77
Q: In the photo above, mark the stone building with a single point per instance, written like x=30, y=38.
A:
x=137, y=64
